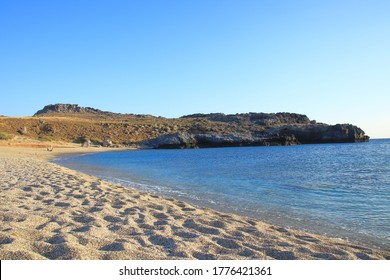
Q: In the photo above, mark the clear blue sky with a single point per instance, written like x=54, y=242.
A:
x=327, y=59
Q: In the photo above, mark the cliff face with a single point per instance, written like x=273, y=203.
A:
x=67, y=109
x=70, y=122
x=322, y=133
x=259, y=129
x=184, y=140
x=276, y=136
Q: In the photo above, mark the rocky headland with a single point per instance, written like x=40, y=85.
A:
x=72, y=123
x=261, y=130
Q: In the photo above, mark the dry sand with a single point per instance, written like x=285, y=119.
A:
x=51, y=212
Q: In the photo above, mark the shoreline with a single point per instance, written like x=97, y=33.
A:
x=317, y=227
x=65, y=214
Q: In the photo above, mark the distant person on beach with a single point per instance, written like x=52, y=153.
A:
x=50, y=148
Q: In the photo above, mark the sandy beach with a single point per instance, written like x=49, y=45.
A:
x=51, y=212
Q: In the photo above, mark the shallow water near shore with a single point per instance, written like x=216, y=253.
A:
x=340, y=190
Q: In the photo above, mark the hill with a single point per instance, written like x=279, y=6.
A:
x=72, y=123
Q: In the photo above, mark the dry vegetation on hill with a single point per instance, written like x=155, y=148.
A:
x=74, y=129
x=72, y=123
x=121, y=130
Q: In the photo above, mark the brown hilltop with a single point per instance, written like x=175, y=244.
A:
x=72, y=123
x=74, y=110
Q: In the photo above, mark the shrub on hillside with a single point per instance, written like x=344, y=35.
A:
x=5, y=136
x=45, y=138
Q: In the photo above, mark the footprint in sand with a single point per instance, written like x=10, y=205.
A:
x=62, y=204
x=132, y=210
x=324, y=256
x=188, y=209
x=284, y=244
x=117, y=206
x=48, y=201
x=44, y=193
x=161, y=216
x=307, y=238
x=166, y=242
x=4, y=239
x=113, y=227
x=27, y=189
x=226, y=243
x=24, y=207
x=203, y=256
x=207, y=230
x=363, y=256
x=85, y=202
x=186, y=234
x=82, y=229
x=247, y=253
x=280, y=255
x=78, y=196
x=155, y=207
x=116, y=246
x=83, y=219
x=217, y=224
x=112, y=219
x=95, y=209
x=57, y=239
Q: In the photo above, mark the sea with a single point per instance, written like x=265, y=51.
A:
x=337, y=190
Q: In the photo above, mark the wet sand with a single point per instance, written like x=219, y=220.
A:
x=51, y=212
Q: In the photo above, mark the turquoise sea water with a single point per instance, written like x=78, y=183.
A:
x=340, y=190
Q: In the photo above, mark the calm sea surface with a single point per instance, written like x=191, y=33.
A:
x=340, y=190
